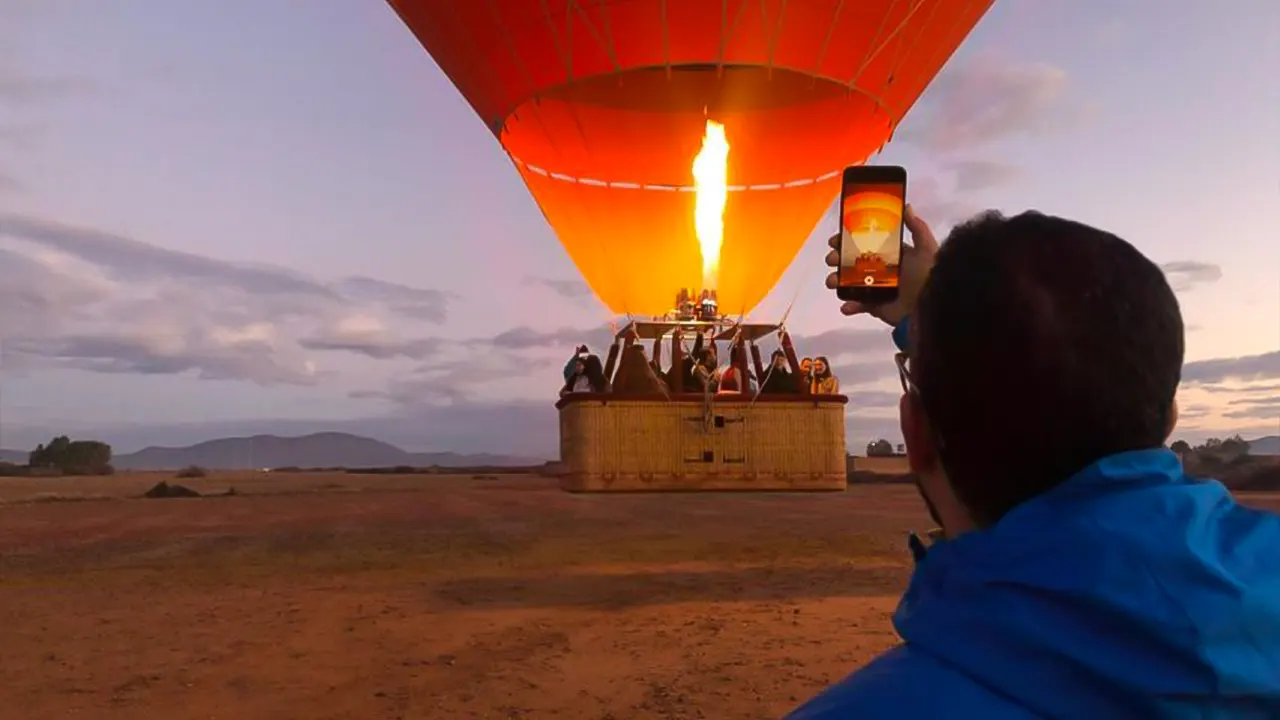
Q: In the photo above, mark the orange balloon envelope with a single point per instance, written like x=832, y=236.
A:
x=602, y=106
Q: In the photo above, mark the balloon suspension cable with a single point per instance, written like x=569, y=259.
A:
x=666, y=394
x=782, y=331
x=708, y=398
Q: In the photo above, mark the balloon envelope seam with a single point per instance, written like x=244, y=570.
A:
x=628, y=185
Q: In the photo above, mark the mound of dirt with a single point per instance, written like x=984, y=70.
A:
x=165, y=490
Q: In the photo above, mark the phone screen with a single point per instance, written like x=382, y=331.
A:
x=872, y=205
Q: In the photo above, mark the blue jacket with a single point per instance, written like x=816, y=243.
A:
x=1129, y=592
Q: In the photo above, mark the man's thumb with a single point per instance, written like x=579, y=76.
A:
x=853, y=308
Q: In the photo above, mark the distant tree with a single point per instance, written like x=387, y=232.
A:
x=1224, y=449
x=879, y=448
x=1234, y=445
x=8, y=469
x=72, y=457
x=1181, y=447
x=902, y=449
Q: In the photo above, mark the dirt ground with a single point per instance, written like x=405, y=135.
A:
x=365, y=597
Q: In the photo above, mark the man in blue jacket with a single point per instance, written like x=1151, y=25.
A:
x=1081, y=574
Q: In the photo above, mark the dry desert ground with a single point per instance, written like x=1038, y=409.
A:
x=319, y=596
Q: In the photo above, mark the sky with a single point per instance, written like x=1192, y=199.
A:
x=280, y=216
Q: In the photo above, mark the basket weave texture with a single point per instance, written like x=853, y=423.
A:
x=613, y=444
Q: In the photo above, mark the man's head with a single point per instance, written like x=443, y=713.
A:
x=779, y=359
x=1038, y=346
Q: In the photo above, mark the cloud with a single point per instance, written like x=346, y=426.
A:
x=369, y=335
x=1186, y=275
x=1255, y=409
x=224, y=353
x=987, y=101
x=81, y=298
x=597, y=339
x=417, y=303
x=456, y=380
x=1273, y=389
x=973, y=175
x=939, y=208
x=1190, y=412
x=570, y=289
x=128, y=259
x=1246, y=368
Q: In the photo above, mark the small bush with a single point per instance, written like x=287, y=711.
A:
x=191, y=471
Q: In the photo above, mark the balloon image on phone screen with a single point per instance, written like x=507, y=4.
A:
x=872, y=215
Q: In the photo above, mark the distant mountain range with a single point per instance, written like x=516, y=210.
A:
x=308, y=451
x=1269, y=445
x=343, y=450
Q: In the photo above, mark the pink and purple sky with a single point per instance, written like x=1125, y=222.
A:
x=279, y=216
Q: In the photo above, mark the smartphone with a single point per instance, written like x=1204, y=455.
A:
x=872, y=217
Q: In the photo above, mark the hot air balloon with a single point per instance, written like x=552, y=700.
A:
x=691, y=145
x=604, y=105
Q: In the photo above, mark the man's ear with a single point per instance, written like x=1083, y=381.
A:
x=922, y=456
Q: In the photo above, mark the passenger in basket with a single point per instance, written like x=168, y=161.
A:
x=730, y=382
x=778, y=379
x=824, y=383
x=575, y=376
x=595, y=374
x=806, y=375
x=584, y=374
x=706, y=373
x=688, y=366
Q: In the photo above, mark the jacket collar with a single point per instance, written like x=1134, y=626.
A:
x=1125, y=470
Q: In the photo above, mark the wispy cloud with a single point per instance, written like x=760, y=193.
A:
x=973, y=175
x=570, y=289
x=1255, y=409
x=989, y=100
x=1246, y=368
x=87, y=299
x=1185, y=275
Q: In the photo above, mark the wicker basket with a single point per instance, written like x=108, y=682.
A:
x=613, y=444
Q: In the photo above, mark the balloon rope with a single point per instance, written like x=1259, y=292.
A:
x=782, y=329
